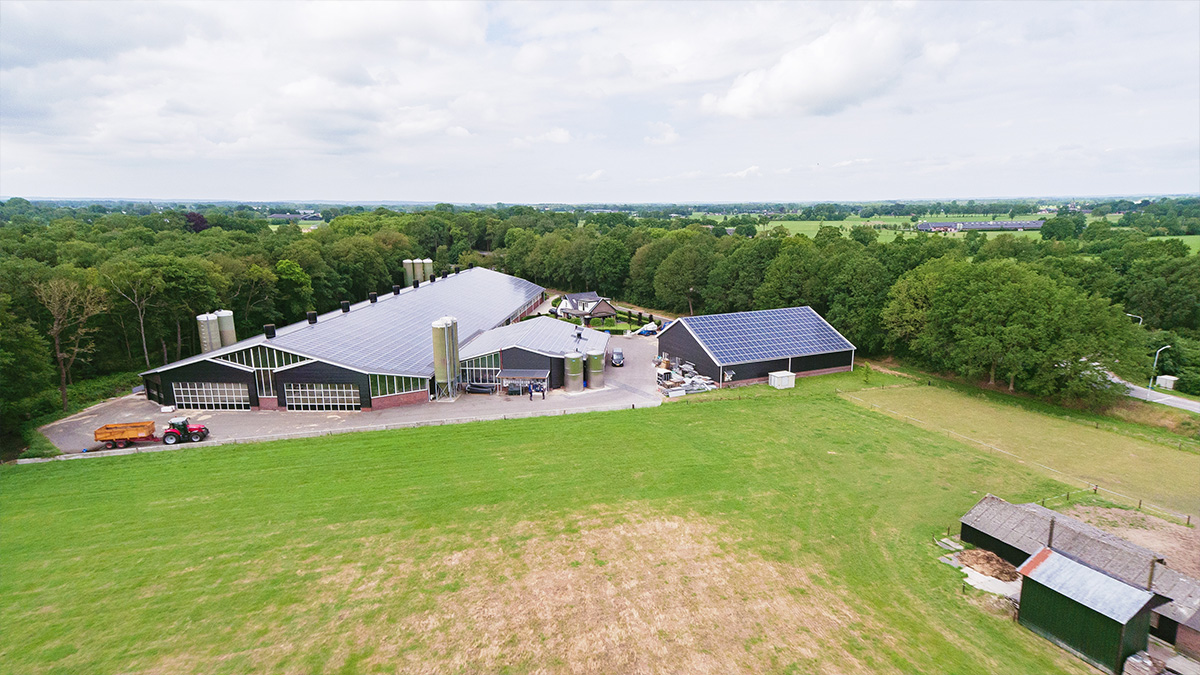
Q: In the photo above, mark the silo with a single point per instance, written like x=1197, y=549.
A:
x=573, y=381
x=409, y=273
x=225, y=326
x=210, y=334
x=595, y=370
x=443, y=350
x=452, y=360
x=426, y=269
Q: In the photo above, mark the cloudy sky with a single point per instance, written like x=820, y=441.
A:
x=572, y=102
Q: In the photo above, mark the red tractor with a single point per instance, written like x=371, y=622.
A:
x=181, y=429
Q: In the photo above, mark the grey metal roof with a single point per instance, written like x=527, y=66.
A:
x=1027, y=526
x=1089, y=587
x=543, y=334
x=394, y=336
x=523, y=374
x=746, y=337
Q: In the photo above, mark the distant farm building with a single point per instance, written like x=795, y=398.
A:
x=296, y=217
x=745, y=347
x=394, y=349
x=1017, y=531
x=1009, y=225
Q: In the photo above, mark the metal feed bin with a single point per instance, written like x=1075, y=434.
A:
x=226, y=328
x=210, y=333
x=595, y=369
x=573, y=369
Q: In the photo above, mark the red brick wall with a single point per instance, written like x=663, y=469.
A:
x=1187, y=641
x=807, y=373
x=268, y=403
x=396, y=400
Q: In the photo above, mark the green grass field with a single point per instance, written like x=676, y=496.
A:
x=756, y=531
x=1142, y=469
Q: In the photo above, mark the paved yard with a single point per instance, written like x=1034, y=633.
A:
x=632, y=385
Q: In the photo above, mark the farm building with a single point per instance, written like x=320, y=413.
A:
x=1003, y=225
x=1017, y=531
x=744, y=347
x=586, y=306
x=1102, y=619
x=378, y=353
x=539, y=344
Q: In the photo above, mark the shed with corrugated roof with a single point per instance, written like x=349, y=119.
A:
x=1096, y=616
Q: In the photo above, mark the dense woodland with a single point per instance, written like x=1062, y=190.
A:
x=116, y=287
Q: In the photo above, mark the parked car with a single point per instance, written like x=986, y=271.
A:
x=618, y=357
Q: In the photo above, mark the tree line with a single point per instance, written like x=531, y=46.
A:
x=87, y=291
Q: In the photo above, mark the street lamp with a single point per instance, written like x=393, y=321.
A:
x=1155, y=369
x=1135, y=316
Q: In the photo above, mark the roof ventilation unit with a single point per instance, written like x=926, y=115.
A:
x=396, y=289
x=345, y=306
x=269, y=330
x=312, y=317
x=416, y=283
x=373, y=297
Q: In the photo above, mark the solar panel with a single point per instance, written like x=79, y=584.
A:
x=744, y=337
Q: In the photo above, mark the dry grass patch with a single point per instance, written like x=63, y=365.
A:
x=1178, y=543
x=653, y=594
x=1172, y=419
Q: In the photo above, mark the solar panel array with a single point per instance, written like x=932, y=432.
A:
x=745, y=337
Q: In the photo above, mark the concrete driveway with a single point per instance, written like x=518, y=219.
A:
x=630, y=386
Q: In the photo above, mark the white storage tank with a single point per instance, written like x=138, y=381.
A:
x=410, y=273
x=210, y=333
x=426, y=269
x=226, y=327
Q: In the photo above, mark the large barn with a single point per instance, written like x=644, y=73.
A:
x=743, y=347
x=378, y=353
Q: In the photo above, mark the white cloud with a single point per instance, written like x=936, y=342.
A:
x=557, y=136
x=744, y=173
x=593, y=176
x=358, y=101
x=853, y=61
x=665, y=134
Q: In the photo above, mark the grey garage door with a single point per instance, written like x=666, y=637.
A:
x=313, y=396
x=212, y=395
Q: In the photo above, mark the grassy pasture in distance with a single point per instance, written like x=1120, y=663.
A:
x=1143, y=469
x=757, y=531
